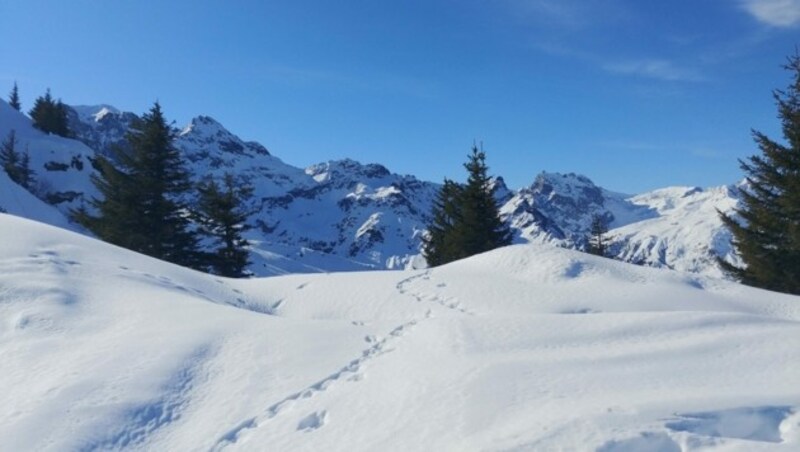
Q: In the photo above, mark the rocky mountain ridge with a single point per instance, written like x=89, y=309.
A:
x=344, y=215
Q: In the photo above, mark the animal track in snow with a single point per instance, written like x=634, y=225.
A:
x=313, y=421
x=350, y=372
x=421, y=297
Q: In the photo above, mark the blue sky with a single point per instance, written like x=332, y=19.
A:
x=634, y=94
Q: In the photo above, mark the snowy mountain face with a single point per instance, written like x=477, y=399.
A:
x=686, y=235
x=62, y=166
x=335, y=216
x=525, y=348
x=676, y=227
x=101, y=127
x=344, y=215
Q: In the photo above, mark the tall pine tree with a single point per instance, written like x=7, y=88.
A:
x=479, y=228
x=222, y=216
x=767, y=232
x=143, y=205
x=439, y=245
x=13, y=98
x=465, y=218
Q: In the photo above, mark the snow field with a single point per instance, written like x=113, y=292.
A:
x=525, y=348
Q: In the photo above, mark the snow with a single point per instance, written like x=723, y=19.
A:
x=687, y=234
x=529, y=347
x=17, y=201
x=62, y=166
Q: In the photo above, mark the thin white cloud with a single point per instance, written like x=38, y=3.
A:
x=658, y=69
x=776, y=13
x=568, y=15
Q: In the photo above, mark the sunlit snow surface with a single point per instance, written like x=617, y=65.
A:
x=526, y=348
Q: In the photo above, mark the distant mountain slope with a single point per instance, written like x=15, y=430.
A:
x=62, y=165
x=335, y=216
x=686, y=235
x=345, y=215
x=676, y=227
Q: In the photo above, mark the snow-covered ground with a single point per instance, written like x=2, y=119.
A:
x=530, y=347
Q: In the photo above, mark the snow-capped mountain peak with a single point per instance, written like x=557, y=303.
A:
x=205, y=135
x=343, y=172
x=94, y=113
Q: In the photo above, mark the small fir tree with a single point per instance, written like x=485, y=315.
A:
x=13, y=98
x=50, y=116
x=27, y=176
x=143, y=204
x=222, y=217
x=597, y=236
x=766, y=233
x=10, y=158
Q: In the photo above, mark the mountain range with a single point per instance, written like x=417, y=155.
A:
x=345, y=215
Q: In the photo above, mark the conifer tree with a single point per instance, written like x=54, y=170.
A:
x=26, y=173
x=439, y=246
x=479, y=228
x=597, y=240
x=767, y=232
x=50, y=116
x=10, y=158
x=13, y=98
x=143, y=204
x=465, y=218
x=222, y=216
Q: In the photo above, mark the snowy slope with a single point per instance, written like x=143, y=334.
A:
x=528, y=347
x=687, y=234
x=62, y=165
x=16, y=200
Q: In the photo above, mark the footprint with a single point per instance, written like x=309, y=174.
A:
x=580, y=311
x=313, y=421
x=750, y=423
x=646, y=441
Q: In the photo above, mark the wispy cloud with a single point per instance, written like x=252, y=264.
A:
x=568, y=15
x=776, y=13
x=659, y=69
